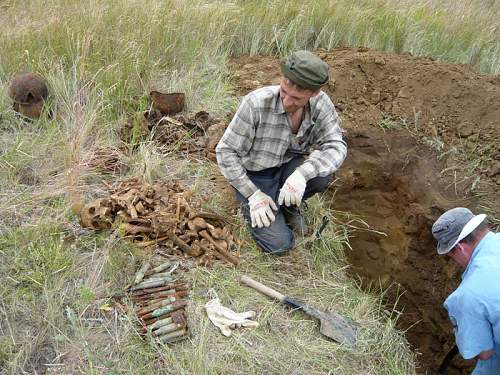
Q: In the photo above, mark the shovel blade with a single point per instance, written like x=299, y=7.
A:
x=334, y=326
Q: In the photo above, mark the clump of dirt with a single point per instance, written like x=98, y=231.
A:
x=163, y=214
x=403, y=118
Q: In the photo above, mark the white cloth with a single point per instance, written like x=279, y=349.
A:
x=292, y=190
x=261, y=209
x=226, y=319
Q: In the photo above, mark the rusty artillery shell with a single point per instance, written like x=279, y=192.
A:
x=167, y=329
x=151, y=284
x=156, y=305
x=140, y=274
x=157, y=275
x=176, y=286
x=164, y=310
x=160, y=323
x=157, y=324
x=156, y=297
x=169, y=337
x=160, y=268
x=150, y=296
x=177, y=316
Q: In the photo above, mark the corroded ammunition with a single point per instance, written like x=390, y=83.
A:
x=150, y=298
x=151, y=284
x=176, y=286
x=144, y=297
x=160, y=323
x=156, y=305
x=158, y=275
x=177, y=317
x=160, y=268
x=172, y=336
x=167, y=329
x=140, y=274
x=164, y=310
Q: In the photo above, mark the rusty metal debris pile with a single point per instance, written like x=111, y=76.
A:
x=105, y=160
x=160, y=298
x=163, y=214
x=198, y=133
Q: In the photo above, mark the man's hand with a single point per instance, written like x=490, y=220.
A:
x=292, y=191
x=486, y=354
x=261, y=209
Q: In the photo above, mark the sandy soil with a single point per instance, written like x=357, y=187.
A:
x=398, y=182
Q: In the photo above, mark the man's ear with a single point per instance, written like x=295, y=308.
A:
x=461, y=249
x=315, y=93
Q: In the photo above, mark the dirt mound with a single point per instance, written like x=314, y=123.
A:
x=421, y=134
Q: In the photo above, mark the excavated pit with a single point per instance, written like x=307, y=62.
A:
x=389, y=185
x=399, y=177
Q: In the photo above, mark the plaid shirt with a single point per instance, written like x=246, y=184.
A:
x=260, y=137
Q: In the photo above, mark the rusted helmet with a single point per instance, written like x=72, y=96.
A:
x=28, y=88
x=28, y=91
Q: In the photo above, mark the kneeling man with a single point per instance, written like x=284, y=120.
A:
x=282, y=146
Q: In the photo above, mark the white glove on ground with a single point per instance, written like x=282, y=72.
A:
x=226, y=319
x=261, y=209
x=292, y=191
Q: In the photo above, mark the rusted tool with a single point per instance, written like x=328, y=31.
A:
x=447, y=360
x=333, y=325
x=322, y=227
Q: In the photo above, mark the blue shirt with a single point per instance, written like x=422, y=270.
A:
x=474, y=307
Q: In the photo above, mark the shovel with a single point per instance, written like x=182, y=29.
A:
x=332, y=325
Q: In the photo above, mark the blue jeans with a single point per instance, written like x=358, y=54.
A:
x=278, y=237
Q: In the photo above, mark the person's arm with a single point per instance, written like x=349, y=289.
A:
x=332, y=149
x=236, y=142
x=473, y=331
x=486, y=354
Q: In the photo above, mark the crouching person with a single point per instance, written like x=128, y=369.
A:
x=282, y=146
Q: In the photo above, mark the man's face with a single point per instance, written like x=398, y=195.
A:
x=294, y=98
x=461, y=254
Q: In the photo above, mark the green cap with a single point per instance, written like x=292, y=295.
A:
x=305, y=69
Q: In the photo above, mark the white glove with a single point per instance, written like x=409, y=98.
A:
x=226, y=319
x=261, y=209
x=292, y=191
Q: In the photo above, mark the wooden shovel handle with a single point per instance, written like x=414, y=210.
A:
x=262, y=288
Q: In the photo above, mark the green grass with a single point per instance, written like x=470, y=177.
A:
x=101, y=59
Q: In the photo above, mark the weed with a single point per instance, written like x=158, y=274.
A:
x=390, y=123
